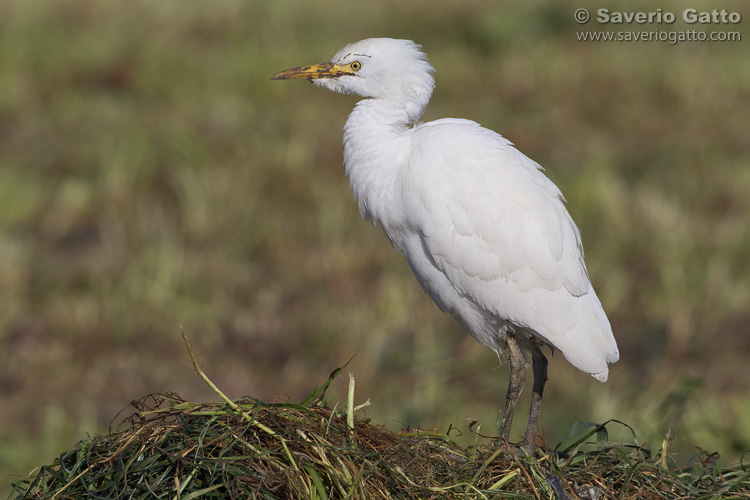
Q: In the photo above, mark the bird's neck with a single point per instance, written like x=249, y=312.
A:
x=376, y=141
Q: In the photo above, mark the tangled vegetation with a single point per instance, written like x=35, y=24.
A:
x=247, y=449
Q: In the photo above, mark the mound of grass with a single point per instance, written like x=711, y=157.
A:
x=171, y=448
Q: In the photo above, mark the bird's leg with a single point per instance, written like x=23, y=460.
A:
x=515, y=385
x=539, y=363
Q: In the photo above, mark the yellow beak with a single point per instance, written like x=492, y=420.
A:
x=314, y=72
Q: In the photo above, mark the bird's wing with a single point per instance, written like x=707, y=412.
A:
x=498, y=228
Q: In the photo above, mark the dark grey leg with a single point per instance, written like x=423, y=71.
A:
x=539, y=362
x=515, y=385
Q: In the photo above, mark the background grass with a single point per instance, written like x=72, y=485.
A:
x=151, y=176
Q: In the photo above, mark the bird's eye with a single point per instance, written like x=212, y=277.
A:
x=356, y=66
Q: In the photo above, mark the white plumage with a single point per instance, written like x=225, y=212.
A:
x=486, y=234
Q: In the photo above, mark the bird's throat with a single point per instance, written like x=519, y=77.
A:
x=377, y=137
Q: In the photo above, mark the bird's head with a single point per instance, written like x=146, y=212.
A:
x=376, y=68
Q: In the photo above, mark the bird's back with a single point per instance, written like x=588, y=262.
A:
x=489, y=238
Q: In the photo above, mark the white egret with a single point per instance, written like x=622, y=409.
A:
x=485, y=232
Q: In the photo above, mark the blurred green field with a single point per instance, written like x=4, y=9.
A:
x=152, y=176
